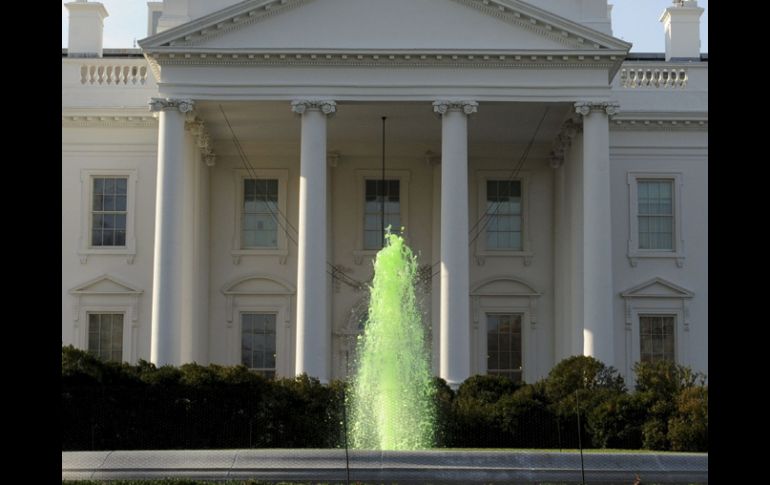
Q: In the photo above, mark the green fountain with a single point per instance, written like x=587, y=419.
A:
x=391, y=404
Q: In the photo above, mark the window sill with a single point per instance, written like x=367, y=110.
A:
x=481, y=256
x=282, y=254
x=128, y=252
x=635, y=256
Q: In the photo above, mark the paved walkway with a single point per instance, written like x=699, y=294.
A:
x=450, y=467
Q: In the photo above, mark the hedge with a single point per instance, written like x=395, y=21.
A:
x=109, y=406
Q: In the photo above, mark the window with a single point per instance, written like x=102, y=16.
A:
x=258, y=342
x=259, y=224
x=503, y=209
x=655, y=217
x=502, y=220
x=105, y=336
x=109, y=211
x=504, y=345
x=371, y=191
x=656, y=214
x=656, y=335
x=375, y=192
x=107, y=214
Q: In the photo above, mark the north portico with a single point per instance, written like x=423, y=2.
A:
x=327, y=54
x=267, y=124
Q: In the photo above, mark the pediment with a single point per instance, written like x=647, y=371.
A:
x=657, y=288
x=258, y=285
x=382, y=25
x=503, y=285
x=106, y=285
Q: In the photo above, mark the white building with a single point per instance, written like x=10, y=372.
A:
x=554, y=186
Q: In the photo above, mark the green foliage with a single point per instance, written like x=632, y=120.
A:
x=109, y=406
x=581, y=373
x=658, y=389
x=688, y=428
x=485, y=389
x=616, y=422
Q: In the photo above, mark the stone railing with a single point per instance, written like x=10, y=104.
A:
x=655, y=76
x=123, y=72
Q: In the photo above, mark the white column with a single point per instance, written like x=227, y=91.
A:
x=169, y=213
x=435, y=283
x=598, y=326
x=455, y=362
x=313, y=329
x=561, y=235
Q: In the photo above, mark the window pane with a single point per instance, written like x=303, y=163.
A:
x=504, y=344
x=259, y=224
x=105, y=336
x=657, y=339
x=504, y=212
x=121, y=186
x=98, y=203
x=258, y=342
x=98, y=186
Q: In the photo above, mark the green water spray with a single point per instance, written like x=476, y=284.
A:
x=391, y=405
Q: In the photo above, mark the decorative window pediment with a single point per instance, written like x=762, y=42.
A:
x=106, y=285
x=503, y=286
x=258, y=285
x=657, y=288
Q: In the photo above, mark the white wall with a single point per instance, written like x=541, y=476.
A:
x=108, y=148
x=683, y=152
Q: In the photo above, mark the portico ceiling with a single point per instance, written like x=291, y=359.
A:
x=408, y=123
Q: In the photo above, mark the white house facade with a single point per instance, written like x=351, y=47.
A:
x=224, y=186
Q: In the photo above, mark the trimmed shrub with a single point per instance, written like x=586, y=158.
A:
x=688, y=429
x=108, y=406
x=658, y=385
x=616, y=422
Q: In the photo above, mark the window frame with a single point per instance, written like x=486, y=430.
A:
x=653, y=314
x=634, y=252
x=259, y=311
x=129, y=327
x=85, y=250
x=123, y=331
x=481, y=251
x=524, y=320
x=282, y=249
x=636, y=338
x=403, y=176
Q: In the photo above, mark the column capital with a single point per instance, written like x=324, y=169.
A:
x=442, y=106
x=563, y=142
x=326, y=106
x=184, y=105
x=609, y=107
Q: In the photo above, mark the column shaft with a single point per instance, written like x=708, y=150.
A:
x=313, y=331
x=598, y=338
x=169, y=211
x=454, y=362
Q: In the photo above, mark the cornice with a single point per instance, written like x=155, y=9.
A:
x=100, y=118
x=387, y=59
x=660, y=121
